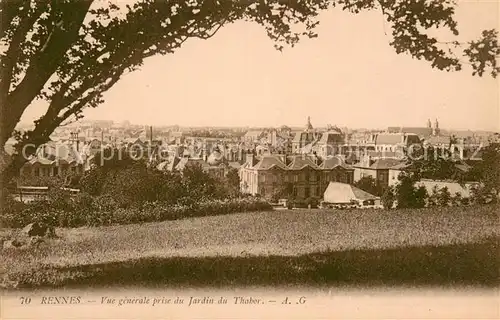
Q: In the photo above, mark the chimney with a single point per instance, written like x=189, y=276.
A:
x=77, y=142
x=151, y=135
x=250, y=159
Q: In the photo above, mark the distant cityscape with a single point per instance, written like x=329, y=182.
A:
x=306, y=159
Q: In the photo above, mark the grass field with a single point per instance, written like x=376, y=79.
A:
x=427, y=246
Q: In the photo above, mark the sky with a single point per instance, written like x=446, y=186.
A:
x=349, y=76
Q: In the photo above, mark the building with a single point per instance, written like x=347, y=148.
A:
x=54, y=160
x=215, y=164
x=253, y=135
x=421, y=132
x=329, y=144
x=379, y=169
x=298, y=176
x=304, y=138
x=395, y=142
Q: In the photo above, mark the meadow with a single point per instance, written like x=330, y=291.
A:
x=444, y=246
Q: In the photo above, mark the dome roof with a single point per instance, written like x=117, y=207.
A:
x=215, y=158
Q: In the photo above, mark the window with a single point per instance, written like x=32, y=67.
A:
x=56, y=171
x=296, y=177
x=37, y=172
x=307, y=192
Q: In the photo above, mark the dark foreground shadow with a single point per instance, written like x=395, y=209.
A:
x=470, y=264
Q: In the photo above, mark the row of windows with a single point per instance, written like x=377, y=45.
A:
x=47, y=171
x=305, y=177
x=306, y=192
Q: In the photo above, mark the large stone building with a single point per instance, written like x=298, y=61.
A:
x=304, y=138
x=298, y=176
x=422, y=132
x=330, y=144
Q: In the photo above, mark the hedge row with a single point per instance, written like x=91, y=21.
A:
x=148, y=212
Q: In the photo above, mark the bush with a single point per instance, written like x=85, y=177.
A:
x=86, y=211
x=408, y=195
x=388, y=198
x=312, y=201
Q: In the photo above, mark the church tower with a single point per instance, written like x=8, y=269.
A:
x=429, y=125
x=435, y=130
x=309, y=126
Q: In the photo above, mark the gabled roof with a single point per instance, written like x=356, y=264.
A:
x=385, y=163
x=444, y=140
x=184, y=162
x=389, y=138
x=268, y=162
x=330, y=137
x=299, y=162
x=52, y=153
x=332, y=162
x=253, y=133
x=421, y=131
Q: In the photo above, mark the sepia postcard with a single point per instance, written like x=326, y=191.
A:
x=249, y=159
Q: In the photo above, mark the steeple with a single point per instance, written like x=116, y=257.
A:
x=435, y=130
x=429, y=125
x=309, y=126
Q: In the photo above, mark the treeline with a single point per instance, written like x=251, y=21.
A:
x=125, y=191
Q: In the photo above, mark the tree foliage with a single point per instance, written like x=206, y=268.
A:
x=408, y=195
x=388, y=198
x=232, y=181
x=489, y=168
x=69, y=52
x=370, y=185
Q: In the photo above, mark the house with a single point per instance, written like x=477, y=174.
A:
x=380, y=170
x=345, y=194
x=214, y=165
x=300, y=176
x=54, y=159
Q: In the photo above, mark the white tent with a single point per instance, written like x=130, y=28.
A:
x=342, y=193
